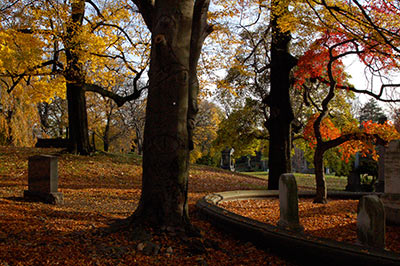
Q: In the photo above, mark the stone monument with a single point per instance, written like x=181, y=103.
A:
x=43, y=180
x=226, y=159
x=391, y=197
x=371, y=222
x=288, y=203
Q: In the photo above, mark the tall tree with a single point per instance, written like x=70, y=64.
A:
x=205, y=130
x=79, y=53
x=371, y=111
x=241, y=130
x=327, y=68
x=280, y=108
x=53, y=117
x=352, y=28
x=178, y=28
x=75, y=79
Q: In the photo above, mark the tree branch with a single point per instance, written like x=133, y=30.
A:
x=8, y=6
x=119, y=100
x=19, y=77
x=326, y=145
x=95, y=8
x=117, y=27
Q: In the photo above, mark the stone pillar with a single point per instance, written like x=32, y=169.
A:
x=371, y=222
x=226, y=159
x=288, y=202
x=43, y=180
x=391, y=198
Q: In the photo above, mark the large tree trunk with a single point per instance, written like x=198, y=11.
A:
x=281, y=113
x=77, y=113
x=139, y=142
x=171, y=103
x=165, y=159
x=321, y=189
x=77, y=120
x=106, y=135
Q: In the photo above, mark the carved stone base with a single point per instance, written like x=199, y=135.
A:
x=392, y=207
x=50, y=198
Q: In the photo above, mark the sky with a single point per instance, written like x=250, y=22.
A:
x=356, y=69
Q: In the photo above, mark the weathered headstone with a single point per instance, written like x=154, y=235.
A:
x=391, y=198
x=371, y=222
x=227, y=160
x=43, y=179
x=288, y=201
x=353, y=181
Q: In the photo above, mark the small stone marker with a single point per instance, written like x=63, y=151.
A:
x=289, y=201
x=371, y=222
x=43, y=179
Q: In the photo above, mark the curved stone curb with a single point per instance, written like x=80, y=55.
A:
x=301, y=248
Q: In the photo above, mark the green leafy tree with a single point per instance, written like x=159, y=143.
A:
x=372, y=111
x=242, y=130
x=205, y=131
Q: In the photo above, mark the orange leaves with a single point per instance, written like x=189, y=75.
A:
x=355, y=139
x=366, y=140
x=335, y=220
x=386, y=131
x=97, y=190
x=328, y=131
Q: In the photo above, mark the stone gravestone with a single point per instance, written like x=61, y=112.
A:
x=371, y=222
x=43, y=180
x=226, y=159
x=391, y=197
x=288, y=202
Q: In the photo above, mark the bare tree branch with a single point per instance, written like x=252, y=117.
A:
x=8, y=6
x=95, y=8
x=119, y=100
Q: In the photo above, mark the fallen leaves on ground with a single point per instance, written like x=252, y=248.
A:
x=97, y=191
x=336, y=220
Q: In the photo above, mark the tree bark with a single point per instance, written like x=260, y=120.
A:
x=281, y=113
x=77, y=115
x=163, y=200
x=321, y=189
x=78, y=141
x=106, y=134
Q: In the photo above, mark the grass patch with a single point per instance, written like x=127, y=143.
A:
x=307, y=181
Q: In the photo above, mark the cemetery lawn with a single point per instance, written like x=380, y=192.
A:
x=102, y=188
x=97, y=190
x=307, y=181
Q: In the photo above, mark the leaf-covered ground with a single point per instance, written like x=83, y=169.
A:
x=97, y=190
x=335, y=220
